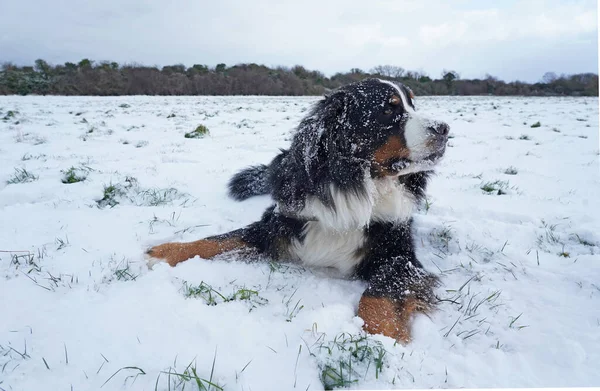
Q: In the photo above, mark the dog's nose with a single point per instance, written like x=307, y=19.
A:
x=441, y=128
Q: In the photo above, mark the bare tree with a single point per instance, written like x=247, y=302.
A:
x=549, y=77
x=392, y=71
x=111, y=78
x=450, y=75
x=43, y=67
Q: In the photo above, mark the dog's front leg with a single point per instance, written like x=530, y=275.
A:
x=389, y=315
x=398, y=287
x=174, y=253
x=265, y=236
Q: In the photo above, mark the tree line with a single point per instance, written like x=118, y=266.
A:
x=110, y=78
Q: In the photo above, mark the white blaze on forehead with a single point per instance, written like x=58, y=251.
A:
x=401, y=93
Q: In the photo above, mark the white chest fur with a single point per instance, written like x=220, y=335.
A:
x=324, y=247
x=393, y=202
x=385, y=200
x=337, y=236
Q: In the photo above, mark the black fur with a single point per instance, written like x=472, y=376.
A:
x=249, y=183
x=334, y=146
x=272, y=234
x=416, y=183
x=391, y=266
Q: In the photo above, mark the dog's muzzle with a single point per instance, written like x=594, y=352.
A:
x=438, y=139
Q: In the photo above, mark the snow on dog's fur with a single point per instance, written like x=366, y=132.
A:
x=344, y=194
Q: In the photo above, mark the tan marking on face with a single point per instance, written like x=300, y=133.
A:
x=393, y=149
x=390, y=317
x=174, y=253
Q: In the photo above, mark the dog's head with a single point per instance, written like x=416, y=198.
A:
x=373, y=123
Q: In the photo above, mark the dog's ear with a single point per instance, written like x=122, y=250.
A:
x=324, y=141
x=321, y=133
x=336, y=110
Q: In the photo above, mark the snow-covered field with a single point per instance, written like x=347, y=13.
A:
x=79, y=309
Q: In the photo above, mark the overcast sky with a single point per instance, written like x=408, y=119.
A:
x=514, y=40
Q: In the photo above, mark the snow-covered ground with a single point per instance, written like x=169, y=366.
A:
x=80, y=310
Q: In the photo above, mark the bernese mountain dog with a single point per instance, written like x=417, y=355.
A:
x=344, y=193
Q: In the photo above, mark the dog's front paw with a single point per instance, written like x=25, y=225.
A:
x=390, y=317
x=170, y=253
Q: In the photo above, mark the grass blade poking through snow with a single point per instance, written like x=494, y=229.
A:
x=498, y=187
x=140, y=372
x=75, y=175
x=200, y=132
x=348, y=358
x=211, y=296
x=190, y=375
x=21, y=175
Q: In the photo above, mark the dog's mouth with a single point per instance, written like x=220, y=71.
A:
x=436, y=156
x=403, y=166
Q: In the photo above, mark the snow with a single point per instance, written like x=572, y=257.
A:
x=519, y=271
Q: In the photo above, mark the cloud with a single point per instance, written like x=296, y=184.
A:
x=331, y=36
x=365, y=34
x=496, y=25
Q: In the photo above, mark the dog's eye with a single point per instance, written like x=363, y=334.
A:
x=387, y=112
x=395, y=100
